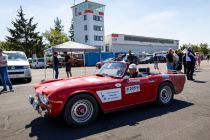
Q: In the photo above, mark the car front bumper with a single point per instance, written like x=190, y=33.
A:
x=37, y=105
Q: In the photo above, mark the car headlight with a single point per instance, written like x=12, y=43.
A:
x=43, y=98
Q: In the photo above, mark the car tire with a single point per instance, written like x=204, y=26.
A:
x=165, y=94
x=80, y=110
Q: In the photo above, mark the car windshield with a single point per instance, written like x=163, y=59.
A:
x=16, y=56
x=41, y=60
x=114, y=69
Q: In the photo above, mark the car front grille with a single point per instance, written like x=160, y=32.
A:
x=11, y=73
x=15, y=67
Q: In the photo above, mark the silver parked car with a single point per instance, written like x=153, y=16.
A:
x=18, y=65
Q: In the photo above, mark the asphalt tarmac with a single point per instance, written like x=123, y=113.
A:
x=188, y=117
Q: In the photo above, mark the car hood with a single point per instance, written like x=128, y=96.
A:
x=76, y=83
x=17, y=63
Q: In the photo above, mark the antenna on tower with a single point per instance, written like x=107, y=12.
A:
x=74, y=2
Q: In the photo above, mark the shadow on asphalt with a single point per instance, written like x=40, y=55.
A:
x=198, y=81
x=46, y=128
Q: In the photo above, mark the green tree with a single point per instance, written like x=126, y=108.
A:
x=204, y=48
x=5, y=46
x=58, y=25
x=71, y=31
x=23, y=36
x=184, y=46
x=56, y=35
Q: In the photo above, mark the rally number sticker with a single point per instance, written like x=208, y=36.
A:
x=132, y=89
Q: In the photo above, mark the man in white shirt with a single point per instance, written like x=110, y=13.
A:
x=3, y=72
x=190, y=61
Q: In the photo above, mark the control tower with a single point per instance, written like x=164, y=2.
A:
x=88, y=23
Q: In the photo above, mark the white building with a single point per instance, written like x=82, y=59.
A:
x=88, y=23
x=138, y=44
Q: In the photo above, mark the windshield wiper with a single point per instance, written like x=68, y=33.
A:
x=105, y=75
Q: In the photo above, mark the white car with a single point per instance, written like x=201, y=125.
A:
x=39, y=63
x=18, y=65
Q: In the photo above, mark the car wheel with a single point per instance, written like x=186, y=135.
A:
x=80, y=110
x=165, y=94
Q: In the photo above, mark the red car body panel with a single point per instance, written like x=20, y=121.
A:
x=60, y=91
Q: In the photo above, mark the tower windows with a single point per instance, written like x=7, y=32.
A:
x=85, y=28
x=98, y=38
x=85, y=17
x=97, y=18
x=97, y=28
x=86, y=38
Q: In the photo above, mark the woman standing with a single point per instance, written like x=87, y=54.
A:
x=198, y=59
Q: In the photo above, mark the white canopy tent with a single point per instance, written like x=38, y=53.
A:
x=70, y=47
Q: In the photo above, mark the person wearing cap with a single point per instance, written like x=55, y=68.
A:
x=3, y=72
x=133, y=73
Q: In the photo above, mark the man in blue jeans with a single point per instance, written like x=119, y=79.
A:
x=55, y=64
x=3, y=73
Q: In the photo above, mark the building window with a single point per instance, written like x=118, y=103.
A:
x=85, y=28
x=146, y=39
x=75, y=11
x=98, y=38
x=86, y=38
x=97, y=28
x=85, y=17
x=97, y=18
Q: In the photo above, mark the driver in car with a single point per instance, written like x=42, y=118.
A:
x=132, y=71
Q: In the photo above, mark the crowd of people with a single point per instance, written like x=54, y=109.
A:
x=187, y=60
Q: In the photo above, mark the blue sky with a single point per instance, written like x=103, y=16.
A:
x=185, y=20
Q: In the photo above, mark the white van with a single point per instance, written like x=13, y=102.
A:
x=39, y=63
x=18, y=65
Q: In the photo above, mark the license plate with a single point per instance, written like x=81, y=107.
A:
x=13, y=76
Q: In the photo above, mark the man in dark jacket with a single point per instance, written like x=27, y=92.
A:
x=68, y=64
x=55, y=64
x=132, y=59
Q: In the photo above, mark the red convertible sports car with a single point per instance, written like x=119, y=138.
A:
x=79, y=99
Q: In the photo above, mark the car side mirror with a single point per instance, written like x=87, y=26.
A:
x=126, y=77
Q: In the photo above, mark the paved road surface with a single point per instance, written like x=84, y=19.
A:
x=187, y=118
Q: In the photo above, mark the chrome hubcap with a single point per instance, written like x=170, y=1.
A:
x=166, y=94
x=82, y=111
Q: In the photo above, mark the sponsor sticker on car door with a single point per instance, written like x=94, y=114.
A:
x=132, y=89
x=110, y=95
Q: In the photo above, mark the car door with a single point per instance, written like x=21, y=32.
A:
x=137, y=90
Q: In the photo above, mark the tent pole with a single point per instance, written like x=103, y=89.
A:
x=53, y=63
x=45, y=61
x=84, y=62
